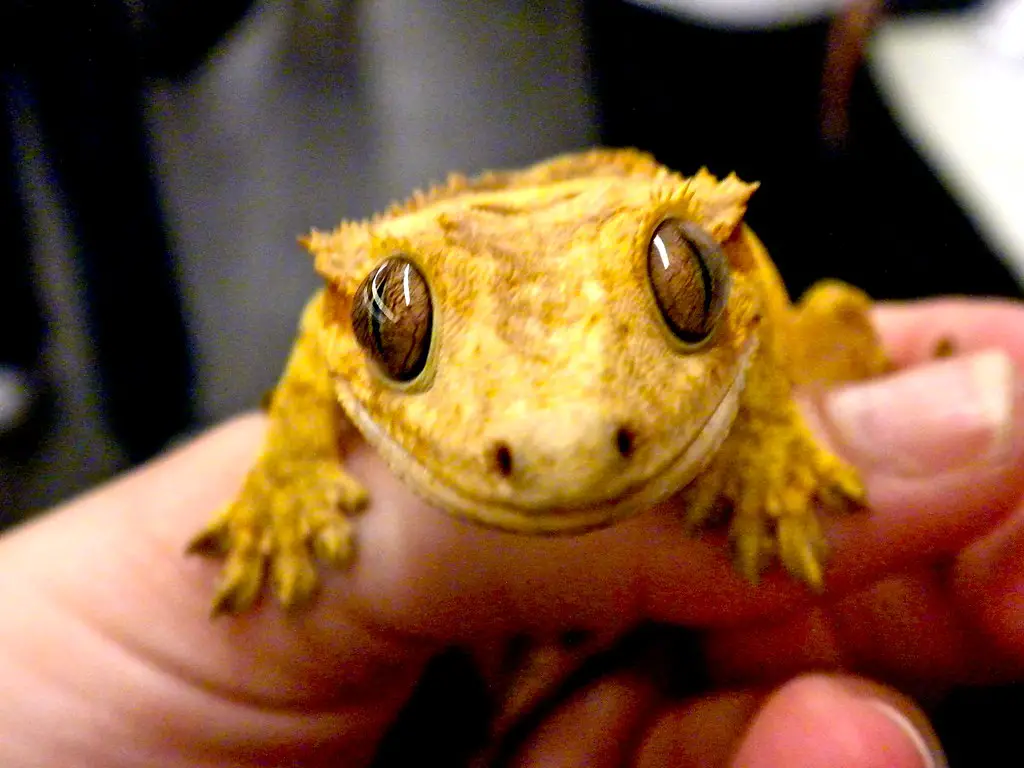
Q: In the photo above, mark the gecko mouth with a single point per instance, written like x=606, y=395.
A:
x=654, y=486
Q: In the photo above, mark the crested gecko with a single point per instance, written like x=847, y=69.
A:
x=546, y=351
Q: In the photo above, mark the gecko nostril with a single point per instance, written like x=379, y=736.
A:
x=501, y=458
x=625, y=441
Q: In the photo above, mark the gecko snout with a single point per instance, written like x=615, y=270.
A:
x=562, y=452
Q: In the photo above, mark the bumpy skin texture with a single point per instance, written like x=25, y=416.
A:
x=554, y=398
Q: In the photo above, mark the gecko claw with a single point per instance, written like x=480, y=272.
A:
x=239, y=587
x=206, y=544
x=294, y=578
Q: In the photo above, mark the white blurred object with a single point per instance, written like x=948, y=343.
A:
x=1001, y=27
x=963, y=108
x=747, y=14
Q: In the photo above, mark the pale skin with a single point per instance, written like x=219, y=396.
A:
x=108, y=657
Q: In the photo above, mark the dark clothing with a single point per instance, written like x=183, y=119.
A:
x=82, y=67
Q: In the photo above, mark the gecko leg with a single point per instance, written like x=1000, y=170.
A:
x=771, y=471
x=284, y=518
x=294, y=506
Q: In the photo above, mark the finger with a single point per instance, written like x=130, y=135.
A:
x=106, y=628
x=596, y=727
x=914, y=331
x=906, y=629
x=770, y=651
x=701, y=733
x=812, y=721
x=988, y=587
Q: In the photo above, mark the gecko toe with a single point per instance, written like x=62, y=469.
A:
x=294, y=578
x=750, y=550
x=239, y=586
x=332, y=541
x=801, y=549
x=208, y=543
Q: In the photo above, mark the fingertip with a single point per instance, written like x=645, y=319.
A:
x=930, y=758
x=815, y=721
x=824, y=721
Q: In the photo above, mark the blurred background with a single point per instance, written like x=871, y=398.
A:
x=159, y=159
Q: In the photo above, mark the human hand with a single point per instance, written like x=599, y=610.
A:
x=107, y=657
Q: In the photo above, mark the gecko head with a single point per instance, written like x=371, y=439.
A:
x=550, y=356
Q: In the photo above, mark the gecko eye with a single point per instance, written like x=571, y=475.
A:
x=392, y=316
x=690, y=279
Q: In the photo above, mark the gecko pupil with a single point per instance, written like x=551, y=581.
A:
x=392, y=318
x=690, y=279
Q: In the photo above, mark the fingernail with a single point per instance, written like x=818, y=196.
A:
x=939, y=417
x=930, y=758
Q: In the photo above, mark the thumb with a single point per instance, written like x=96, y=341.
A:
x=105, y=630
x=950, y=416
x=940, y=447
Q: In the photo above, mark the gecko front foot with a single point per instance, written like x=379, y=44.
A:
x=771, y=472
x=779, y=503
x=776, y=481
x=286, y=517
